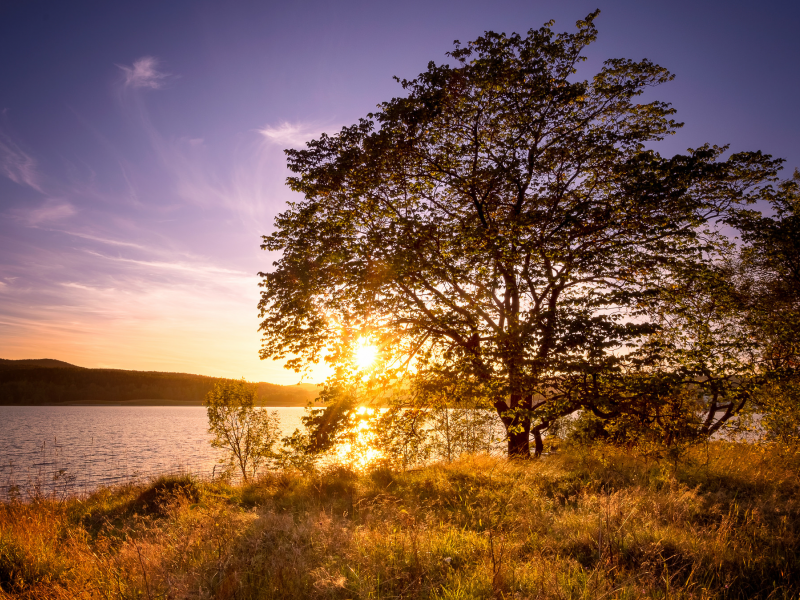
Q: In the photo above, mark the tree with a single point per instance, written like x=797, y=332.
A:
x=766, y=275
x=503, y=225
x=702, y=363
x=247, y=432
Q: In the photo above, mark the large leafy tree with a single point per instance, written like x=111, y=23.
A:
x=504, y=225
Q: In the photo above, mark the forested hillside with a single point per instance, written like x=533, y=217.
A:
x=49, y=381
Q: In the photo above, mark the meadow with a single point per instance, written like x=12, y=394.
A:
x=585, y=522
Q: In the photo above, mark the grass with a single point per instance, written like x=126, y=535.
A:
x=585, y=523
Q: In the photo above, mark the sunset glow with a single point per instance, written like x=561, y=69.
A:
x=139, y=169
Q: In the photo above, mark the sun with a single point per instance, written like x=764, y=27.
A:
x=365, y=355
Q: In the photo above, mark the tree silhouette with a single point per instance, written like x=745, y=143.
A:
x=503, y=225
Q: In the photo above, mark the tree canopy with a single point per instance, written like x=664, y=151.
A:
x=504, y=230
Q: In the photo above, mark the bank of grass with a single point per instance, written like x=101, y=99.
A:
x=583, y=523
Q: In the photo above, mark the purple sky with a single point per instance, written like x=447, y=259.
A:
x=141, y=144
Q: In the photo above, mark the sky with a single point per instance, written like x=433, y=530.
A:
x=141, y=144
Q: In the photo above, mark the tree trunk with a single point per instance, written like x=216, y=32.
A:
x=538, y=445
x=518, y=426
x=519, y=444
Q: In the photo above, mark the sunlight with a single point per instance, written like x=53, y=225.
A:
x=360, y=451
x=365, y=355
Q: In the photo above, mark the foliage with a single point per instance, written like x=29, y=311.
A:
x=52, y=385
x=695, y=375
x=766, y=274
x=459, y=431
x=707, y=362
x=245, y=431
x=44, y=384
x=504, y=225
x=295, y=453
x=729, y=335
x=397, y=437
x=780, y=403
x=591, y=522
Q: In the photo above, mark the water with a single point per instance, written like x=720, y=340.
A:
x=74, y=449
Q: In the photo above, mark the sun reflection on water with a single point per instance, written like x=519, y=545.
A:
x=359, y=451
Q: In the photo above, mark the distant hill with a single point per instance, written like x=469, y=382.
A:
x=48, y=381
x=36, y=362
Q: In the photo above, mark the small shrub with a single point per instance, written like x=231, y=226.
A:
x=246, y=432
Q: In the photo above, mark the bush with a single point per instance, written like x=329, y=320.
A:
x=247, y=432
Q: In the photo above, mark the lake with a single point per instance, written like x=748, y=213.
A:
x=73, y=449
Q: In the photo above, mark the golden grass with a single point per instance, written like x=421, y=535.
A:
x=585, y=523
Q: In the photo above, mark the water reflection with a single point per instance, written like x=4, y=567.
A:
x=74, y=449
x=360, y=446
x=414, y=437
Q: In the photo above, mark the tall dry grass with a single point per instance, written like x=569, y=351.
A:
x=585, y=523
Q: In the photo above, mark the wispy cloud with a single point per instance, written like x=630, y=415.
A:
x=238, y=181
x=144, y=73
x=176, y=266
x=18, y=165
x=51, y=210
x=78, y=286
x=108, y=241
x=292, y=134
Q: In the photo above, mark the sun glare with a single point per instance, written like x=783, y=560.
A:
x=365, y=355
x=360, y=452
